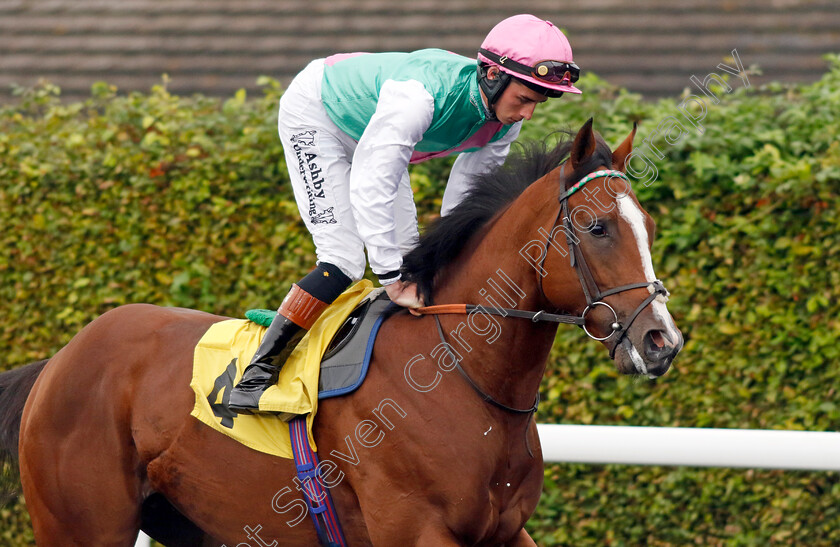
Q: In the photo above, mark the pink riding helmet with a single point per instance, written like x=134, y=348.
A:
x=541, y=54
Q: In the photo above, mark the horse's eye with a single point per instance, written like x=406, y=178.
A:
x=598, y=230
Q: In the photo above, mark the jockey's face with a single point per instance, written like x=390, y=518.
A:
x=517, y=103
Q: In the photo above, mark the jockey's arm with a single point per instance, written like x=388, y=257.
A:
x=403, y=113
x=475, y=163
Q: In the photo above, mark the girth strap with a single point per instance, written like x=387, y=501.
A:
x=318, y=499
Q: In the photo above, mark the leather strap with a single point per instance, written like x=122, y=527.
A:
x=466, y=309
x=443, y=309
x=475, y=387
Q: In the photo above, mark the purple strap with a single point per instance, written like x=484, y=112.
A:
x=317, y=498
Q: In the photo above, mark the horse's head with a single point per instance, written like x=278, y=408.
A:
x=607, y=238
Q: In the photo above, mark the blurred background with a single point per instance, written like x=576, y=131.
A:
x=217, y=46
x=109, y=197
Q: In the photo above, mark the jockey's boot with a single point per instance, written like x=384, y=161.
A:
x=295, y=316
x=298, y=312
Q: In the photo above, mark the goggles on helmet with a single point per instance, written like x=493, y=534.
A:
x=550, y=72
x=556, y=72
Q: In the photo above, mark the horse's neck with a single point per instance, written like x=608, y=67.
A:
x=507, y=356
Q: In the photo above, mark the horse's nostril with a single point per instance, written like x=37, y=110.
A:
x=658, y=345
x=657, y=338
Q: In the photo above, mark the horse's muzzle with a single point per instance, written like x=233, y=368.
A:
x=659, y=351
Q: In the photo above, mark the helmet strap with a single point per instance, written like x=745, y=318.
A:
x=492, y=88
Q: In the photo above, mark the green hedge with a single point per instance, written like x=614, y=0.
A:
x=185, y=201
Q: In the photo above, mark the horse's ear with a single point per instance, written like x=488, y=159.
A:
x=619, y=157
x=583, y=145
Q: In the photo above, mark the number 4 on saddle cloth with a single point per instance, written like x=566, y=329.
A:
x=331, y=360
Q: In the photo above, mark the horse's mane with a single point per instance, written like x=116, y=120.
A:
x=447, y=236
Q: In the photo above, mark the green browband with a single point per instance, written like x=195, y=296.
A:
x=594, y=175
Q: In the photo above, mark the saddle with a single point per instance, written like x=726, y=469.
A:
x=331, y=360
x=344, y=365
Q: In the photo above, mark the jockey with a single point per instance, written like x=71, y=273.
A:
x=350, y=124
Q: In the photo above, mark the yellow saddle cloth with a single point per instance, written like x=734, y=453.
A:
x=226, y=349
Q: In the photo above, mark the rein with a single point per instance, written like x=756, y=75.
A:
x=594, y=296
x=475, y=386
x=466, y=309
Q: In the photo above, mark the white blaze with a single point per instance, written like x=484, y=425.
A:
x=629, y=211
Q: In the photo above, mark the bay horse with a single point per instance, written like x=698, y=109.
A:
x=107, y=445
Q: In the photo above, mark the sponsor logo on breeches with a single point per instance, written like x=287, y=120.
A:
x=311, y=175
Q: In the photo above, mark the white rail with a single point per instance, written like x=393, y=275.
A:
x=701, y=447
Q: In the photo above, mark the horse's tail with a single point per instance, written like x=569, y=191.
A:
x=15, y=386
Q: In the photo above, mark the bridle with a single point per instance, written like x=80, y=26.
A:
x=594, y=296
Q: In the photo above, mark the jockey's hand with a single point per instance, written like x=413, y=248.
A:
x=404, y=294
